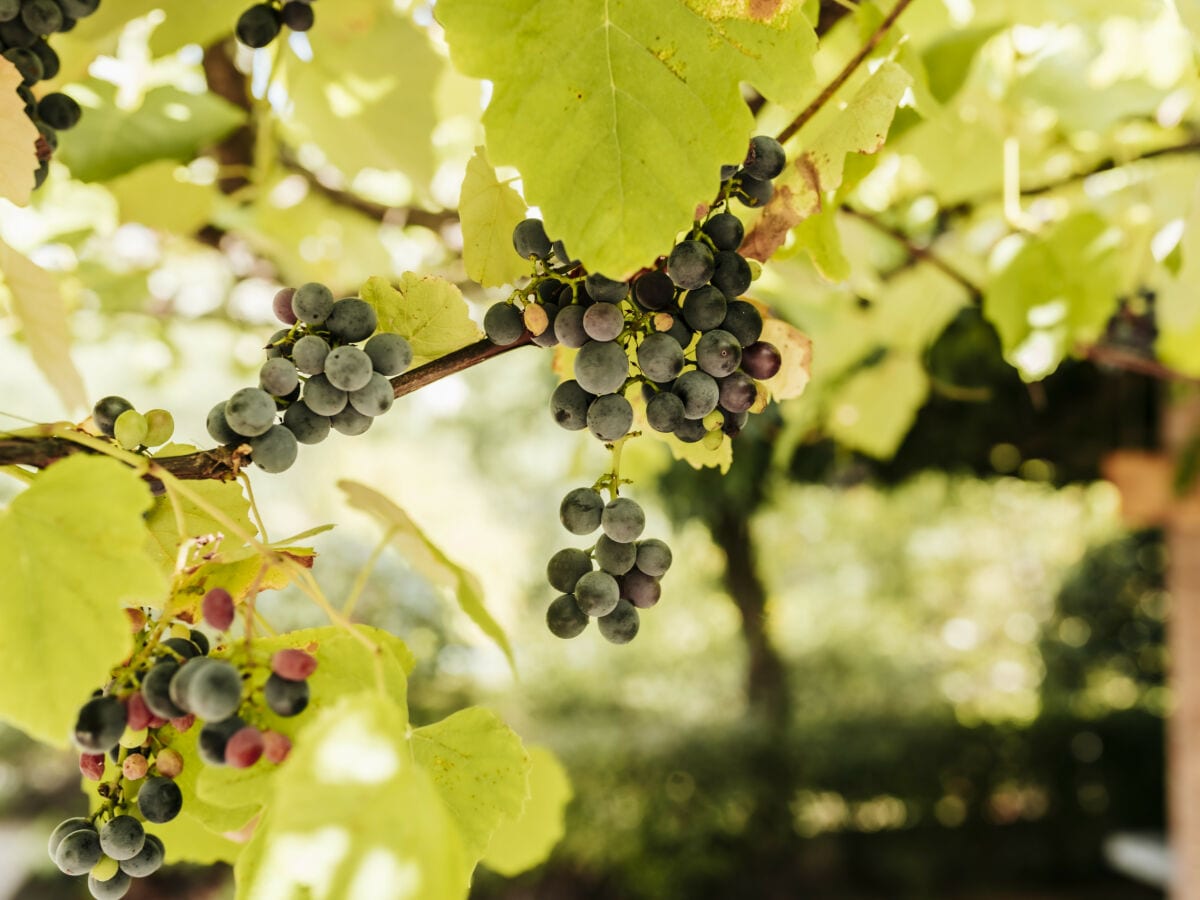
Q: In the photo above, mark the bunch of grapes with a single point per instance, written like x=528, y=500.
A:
x=25, y=28
x=626, y=574
x=680, y=333
x=167, y=686
x=262, y=22
x=316, y=375
x=132, y=430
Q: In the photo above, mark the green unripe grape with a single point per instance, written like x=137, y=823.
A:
x=160, y=426
x=105, y=869
x=130, y=429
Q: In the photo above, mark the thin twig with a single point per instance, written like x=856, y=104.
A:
x=916, y=251
x=843, y=76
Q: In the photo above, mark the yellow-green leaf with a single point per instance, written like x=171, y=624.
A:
x=1178, y=342
x=875, y=407
x=796, y=349
x=18, y=157
x=73, y=554
x=489, y=211
x=429, y=311
x=523, y=842
x=163, y=523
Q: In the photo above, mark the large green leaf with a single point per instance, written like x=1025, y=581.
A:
x=875, y=407
x=72, y=554
x=489, y=211
x=168, y=124
x=1178, y=342
x=353, y=816
x=18, y=158
x=619, y=113
x=429, y=311
x=227, y=496
x=479, y=768
x=520, y=844
x=427, y=558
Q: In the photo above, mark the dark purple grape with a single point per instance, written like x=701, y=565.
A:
x=761, y=360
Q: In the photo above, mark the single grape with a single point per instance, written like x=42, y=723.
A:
x=503, y=324
x=653, y=557
x=761, y=360
x=753, y=192
x=580, y=510
x=9, y=10
x=160, y=426
x=257, y=27
x=732, y=274
x=548, y=290
x=168, y=763
x=664, y=412
x=148, y=860
x=297, y=16
x=348, y=368
x=725, y=230
x=529, y=239
x=278, y=376
x=322, y=397
x=106, y=411
x=734, y=422
x=42, y=16
x=215, y=693
x=564, y=618
x=566, y=567
x=58, y=110
x=293, y=665
x=699, y=393
x=131, y=429
x=623, y=520
x=609, y=417
x=250, y=412
x=546, y=337
x=244, y=748
x=738, y=392
x=217, y=608
x=276, y=746
x=137, y=713
x=597, y=593
x=640, y=589
x=306, y=425
x=285, y=698
x=718, y=353
x=390, y=354
x=309, y=354
x=275, y=451
x=156, y=689
x=50, y=67
x=181, y=681
x=601, y=367
x=603, y=321
x=654, y=291
x=766, y=158
x=613, y=557
x=569, y=405
x=705, y=308
x=350, y=422
x=91, y=766
x=691, y=431
x=660, y=357
x=375, y=397
x=352, y=320
x=65, y=827
x=214, y=737
x=743, y=321
x=99, y=725
x=159, y=800
x=281, y=305
x=28, y=65
x=690, y=264
x=311, y=302
x=122, y=837
x=604, y=290
x=621, y=625
x=560, y=258
x=135, y=767
x=568, y=326
x=200, y=640
x=78, y=852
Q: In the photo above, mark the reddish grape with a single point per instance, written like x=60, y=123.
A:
x=244, y=748
x=640, y=589
x=218, y=609
x=135, y=766
x=276, y=746
x=137, y=713
x=761, y=360
x=183, y=723
x=283, y=306
x=92, y=766
x=293, y=665
x=168, y=763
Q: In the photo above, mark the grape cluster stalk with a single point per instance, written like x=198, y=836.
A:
x=678, y=331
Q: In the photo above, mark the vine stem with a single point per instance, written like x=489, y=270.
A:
x=843, y=76
x=360, y=580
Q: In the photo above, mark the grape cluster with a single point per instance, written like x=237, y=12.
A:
x=262, y=22
x=680, y=332
x=316, y=375
x=613, y=579
x=25, y=29
x=132, y=430
x=169, y=684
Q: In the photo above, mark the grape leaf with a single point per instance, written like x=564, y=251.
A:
x=38, y=305
x=796, y=349
x=72, y=550
x=1178, y=313
x=242, y=570
x=875, y=407
x=480, y=769
x=430, y=312
x=366, y=116
x=18, y=156
x=164, y=531
x=619, y=113
x=802, y=189
x=156, y=197
x=352, y=815
x=169, y=124
x=428, y=559
x=523, y=842
x=489, y=211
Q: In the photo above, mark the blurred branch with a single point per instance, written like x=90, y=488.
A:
x=916, y=251
x=843, y=76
